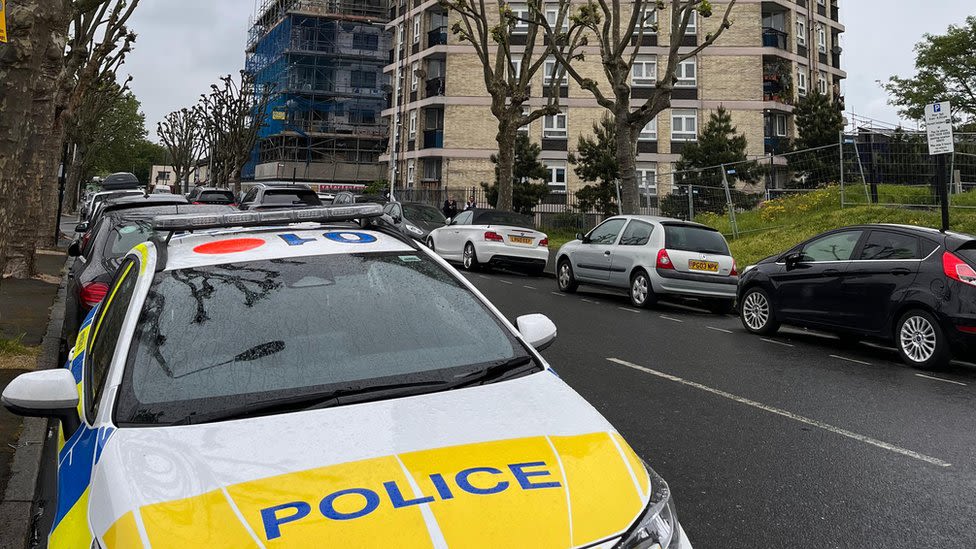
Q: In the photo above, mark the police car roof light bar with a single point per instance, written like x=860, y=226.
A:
x=328, y=214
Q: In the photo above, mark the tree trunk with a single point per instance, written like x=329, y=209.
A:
x=627, y=165
x=76, y=172
x=506, y=165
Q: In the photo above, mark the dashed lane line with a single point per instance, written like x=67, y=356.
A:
x=724, y=331
x=530, y=287
x=584, y=300
x=672, y=319
x=940, y=379
x=558, y=294
x=774, y=342
x=854, y=360
x=506, y=282
x=629, y=310
x=789, y=415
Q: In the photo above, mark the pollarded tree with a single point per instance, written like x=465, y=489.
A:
x=618, y=28
x=489, y=26
x=180, y=133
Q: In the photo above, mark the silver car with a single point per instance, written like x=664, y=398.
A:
x=651, y=257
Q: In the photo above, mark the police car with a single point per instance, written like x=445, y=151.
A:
x=262, y=380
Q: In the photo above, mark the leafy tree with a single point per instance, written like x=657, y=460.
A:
x=719, y=144
x=596, y=160
x=945, y=71
x=819, y=123
x=526, y=168
x=378, y=187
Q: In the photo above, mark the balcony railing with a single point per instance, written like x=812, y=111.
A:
x=437, y=37
x=434, y=139
x=774, y=38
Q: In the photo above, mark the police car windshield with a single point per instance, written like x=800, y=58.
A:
x=223, y=337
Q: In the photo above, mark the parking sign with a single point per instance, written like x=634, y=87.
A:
x=938, y=124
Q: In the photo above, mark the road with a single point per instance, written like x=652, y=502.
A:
x=791, y=441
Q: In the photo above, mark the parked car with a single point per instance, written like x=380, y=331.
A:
x=482, y=238
x=162, y=189
x=266, y=196
x=95, y=200
x=912, y=286
x=326, y=198
x=234, y=393
x=99, y=252
x=415, y=219
x=346, y=197
x=212, y=195
x=130, y=202
x=652, y=257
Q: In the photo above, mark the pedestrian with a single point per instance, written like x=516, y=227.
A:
x=471, y=204
x=450, y=208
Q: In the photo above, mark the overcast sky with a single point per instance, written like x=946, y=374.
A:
x=184, y=45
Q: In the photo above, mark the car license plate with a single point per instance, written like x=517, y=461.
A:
x=706, y=266
x=520, y=239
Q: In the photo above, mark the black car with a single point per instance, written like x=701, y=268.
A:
x=130, y=202
x=415, y=219
x=264, y=196
x=912, y=286
x=212, y=195
x=99, y=252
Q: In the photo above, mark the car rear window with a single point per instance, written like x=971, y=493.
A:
x=216, y=197
x=288, y=197
x=218, y=337
x=122, y=238
x=507, y=219
x=689, y=238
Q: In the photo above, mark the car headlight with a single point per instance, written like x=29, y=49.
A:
x=658, y=527
x=748, y=268
x=415, y=230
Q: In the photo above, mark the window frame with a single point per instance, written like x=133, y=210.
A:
x=683, y=81
x=649, y=135
x=855, y=250
x=633, y=223
x=867, y=239
x=554, y=131
x=552, y=181
x=616, y=238
x=684, y=135
x=416, y=28
x=414, y=77
x=801, y=30
x=411, y=171
x=645, y=81
x=548, y=78
x=802, y=75
x=692, y=24
x=412, y=125
x=822, y=38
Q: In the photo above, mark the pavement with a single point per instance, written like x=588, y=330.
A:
x=789, y=441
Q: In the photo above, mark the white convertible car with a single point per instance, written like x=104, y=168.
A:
x=491, y=238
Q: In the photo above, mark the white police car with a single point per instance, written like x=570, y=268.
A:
x=311, y=385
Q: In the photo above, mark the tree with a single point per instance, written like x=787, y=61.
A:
x=720, y=144
x=944, y=72
x=596, y=160
x=231, y=117
x=526, y=168
x=618, y=27
x=180, y=133
x=488, y=27
x=819, y=123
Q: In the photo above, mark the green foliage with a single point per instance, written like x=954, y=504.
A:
x=16, y=347
x=945, y=71
x=720, y=143
x=819, y=123
x=596, y=161
x=119, y=143
x=526, y=195
x=378, y=187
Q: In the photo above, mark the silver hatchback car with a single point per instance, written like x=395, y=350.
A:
x=651, y=257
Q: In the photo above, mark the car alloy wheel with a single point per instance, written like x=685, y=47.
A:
x=565, y=277
x=755, y=311
x=470, y=260
x=918, y=339
x=430, y=243
x=641, y=294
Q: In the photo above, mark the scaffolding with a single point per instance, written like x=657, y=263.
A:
x=323, y=60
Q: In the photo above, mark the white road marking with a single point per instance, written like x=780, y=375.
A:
x=724, y=331
x=584, y=300
x=507, y=282
x=855, y=361
x=559, y=294
x=789, y=415
x=530, y=287
x=774, y=342
x=484, y=277
x=940, y=379
x=629, y=310
x=672, y=319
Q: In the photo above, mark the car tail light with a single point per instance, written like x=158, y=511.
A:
x=197, y=203
x=492, y=236
x=93, y=293
x=958, y=269
x=663, y=261
x=544, y=242
x=967, y=329
x=735, y=269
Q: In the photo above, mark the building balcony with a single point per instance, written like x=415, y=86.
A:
x=434, y=139
x=776, y=144
x=435, y=87
x=773, y=38
x=437, y=37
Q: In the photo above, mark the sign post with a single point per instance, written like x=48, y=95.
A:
x=938, y=124
x=3, y=21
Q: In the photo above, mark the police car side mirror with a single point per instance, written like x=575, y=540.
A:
x=45, y=393
x=538, y=330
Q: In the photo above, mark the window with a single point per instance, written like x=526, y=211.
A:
x=647, y=179
x=638, y=233
x=822, y=83
x=687, y=74
x=525, y=112
x=414, y=76
x=801, y=79
x=552, y=70
x=464, y=218
x=521, y=12
x=821, y=38
x=689, y=238
x=413, y=124
x=649, y=133
x=516, y=67
x=363, y=41
x=684, y=125
x=801, y=30
x=644, y=71
x=606, y=233
x=557, y=177
x=835, y=247
x=779, y=125
x=883, y=245
x=400, y=34
x=554, y=126
x=108, y=326
x=552, y=16
x=416, y=29
x=647, y=22
x=411, y=172
x=692, y=23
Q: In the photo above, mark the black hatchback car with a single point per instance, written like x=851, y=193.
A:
x=265, y=196
x=909, y=285
x=212, y=195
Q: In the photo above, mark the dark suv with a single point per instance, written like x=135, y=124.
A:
x=912, y=286
x=212, y=195
x=264, y=196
